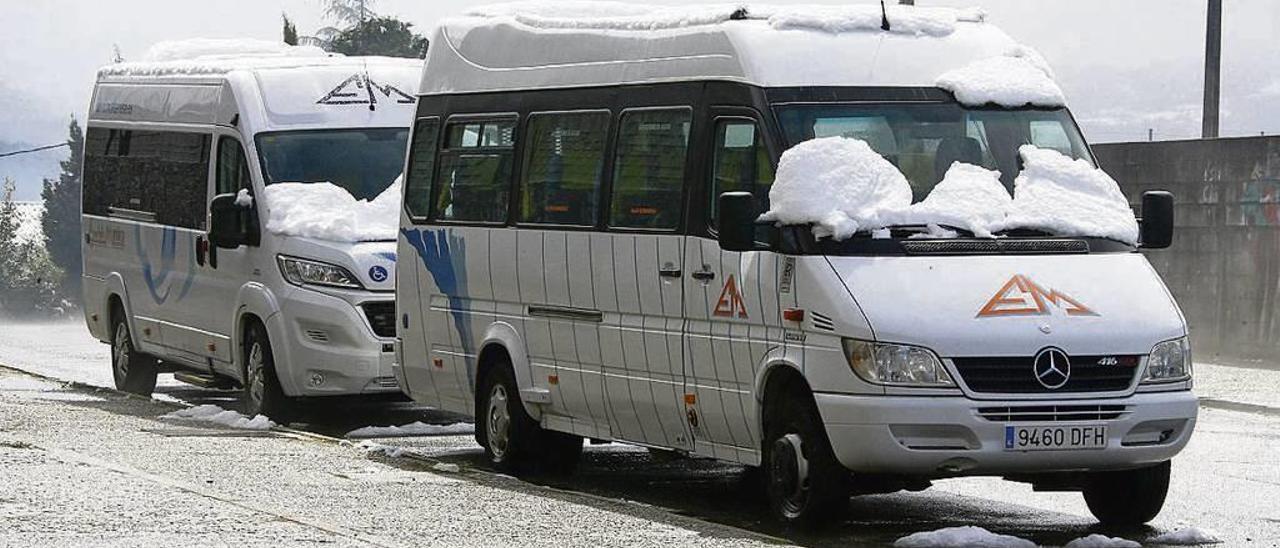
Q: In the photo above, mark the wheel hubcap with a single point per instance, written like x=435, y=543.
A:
x=257, y=382
x=499, y=422
x=789, y=474
x=120, y=353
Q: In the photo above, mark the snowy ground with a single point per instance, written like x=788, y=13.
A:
x=1227, y=480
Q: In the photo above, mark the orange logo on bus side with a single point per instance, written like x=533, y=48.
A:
x=1022, y=297
x=730, y=301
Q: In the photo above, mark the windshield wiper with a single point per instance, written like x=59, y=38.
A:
x=924, y=229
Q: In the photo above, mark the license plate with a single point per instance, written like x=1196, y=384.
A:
x=1054, y=438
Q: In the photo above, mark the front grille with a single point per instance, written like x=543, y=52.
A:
x=1035, y=246
x=382, y=318
x=1016, y=375
x=1053, y=413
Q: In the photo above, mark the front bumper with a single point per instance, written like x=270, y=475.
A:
x=947, y=436
x=332, y=348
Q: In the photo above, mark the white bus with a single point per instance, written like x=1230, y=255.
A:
x=215, y=243
x=581, y=258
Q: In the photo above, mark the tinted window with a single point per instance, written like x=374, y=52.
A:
x=233, y=168
x=159, y=176
x=563, y=168
x=648, y=176
x=422, y=161
x=474, y=180
x=363, y=161
x=742, y=163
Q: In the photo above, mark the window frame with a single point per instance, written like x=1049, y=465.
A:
x=433, y=215
x=689, y=149
x=606, y=166
x=761, y=133
x=431, y=177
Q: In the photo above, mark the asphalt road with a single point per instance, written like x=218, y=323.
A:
x=1227, y=480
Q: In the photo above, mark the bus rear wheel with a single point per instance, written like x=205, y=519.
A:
x=132, y=371
x=514, y=442
x=1128, y=497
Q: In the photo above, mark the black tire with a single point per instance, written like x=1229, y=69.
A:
x=262, y=394
x=1129, y=497
x=818, y=496
x=513, y=442
x=132, y=371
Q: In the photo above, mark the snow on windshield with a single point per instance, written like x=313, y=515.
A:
x=1019, y=78
x=838, y=184
x=325, y=211
x=841, y=186
x=1069, y=197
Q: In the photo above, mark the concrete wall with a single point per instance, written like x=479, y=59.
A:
x=1224, y=265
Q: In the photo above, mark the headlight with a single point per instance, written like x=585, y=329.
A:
x=304, y=272
x=1169, y=361
x=895, y=364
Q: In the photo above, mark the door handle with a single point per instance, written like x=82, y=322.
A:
x=202, y=247
x=703, y=275
x=669, y=272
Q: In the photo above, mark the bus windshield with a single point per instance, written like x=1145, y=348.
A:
x=364, y=162
x=924, y=139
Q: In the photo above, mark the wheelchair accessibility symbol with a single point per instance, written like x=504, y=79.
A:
x=378, y=274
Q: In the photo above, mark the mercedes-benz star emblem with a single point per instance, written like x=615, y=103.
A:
x=1052, y=368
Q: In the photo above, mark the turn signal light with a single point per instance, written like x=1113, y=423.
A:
x=793, y=314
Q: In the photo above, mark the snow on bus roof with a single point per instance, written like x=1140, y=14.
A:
x=214, y=56
x=536, y=45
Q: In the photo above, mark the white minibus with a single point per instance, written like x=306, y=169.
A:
x=858, y=250
x=229, y=188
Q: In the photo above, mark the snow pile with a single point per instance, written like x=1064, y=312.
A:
x=372, y=448
x=1069, y=198
x=968, y=197
x=244, y=199
x=416, y=428
x=1102, y=541
x=446, y=467
x=577, y=15
x=867, y=17
x=213, y=414
x=1188, y=536
x=838, y=184
x=221, y=48
x=325, y=211
x=1019, y=78
x=961, y=537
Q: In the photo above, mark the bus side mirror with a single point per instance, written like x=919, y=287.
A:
x=1157, y=219
x=737, y=221
x=227, y=224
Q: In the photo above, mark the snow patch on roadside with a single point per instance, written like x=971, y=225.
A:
x=961, y=537
x=325, y=211
x=374, y=448
x=446, y=467
x=417, y=428
x=212, y=414
x=1102, y=541
x=1188, y=536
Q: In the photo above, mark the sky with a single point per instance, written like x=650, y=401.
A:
x=1126, y=67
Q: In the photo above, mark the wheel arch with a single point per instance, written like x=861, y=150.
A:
x=503, y=340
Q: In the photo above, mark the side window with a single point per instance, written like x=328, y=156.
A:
x=156, y=176
x=563, y=168
x=233, y=167
x=648, y=175
x=474, y=179
x=422, y=158
x=741, y=164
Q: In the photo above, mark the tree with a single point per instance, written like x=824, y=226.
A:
x=290, y=31
x=61, y=221
x=349, y=13
x=28, y=279
x=380, y=36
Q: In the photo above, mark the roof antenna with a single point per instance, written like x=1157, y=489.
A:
x=884, y=17
x=368, y=86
